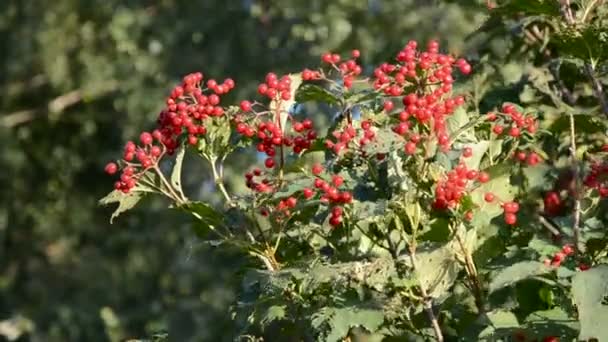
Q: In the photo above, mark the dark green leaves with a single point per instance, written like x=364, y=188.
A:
x=311, y=92
x=590, y=292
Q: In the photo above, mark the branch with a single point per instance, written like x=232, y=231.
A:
x=55, y=106
x=598, y=90
x=576, y=226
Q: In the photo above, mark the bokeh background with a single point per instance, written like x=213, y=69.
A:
x=80, y=77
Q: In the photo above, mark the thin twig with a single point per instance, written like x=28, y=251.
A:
x=598, y=89
x=472, y=273
x=577, y=200
x=427, y=301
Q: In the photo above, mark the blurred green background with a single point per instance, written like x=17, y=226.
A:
x=80, y=77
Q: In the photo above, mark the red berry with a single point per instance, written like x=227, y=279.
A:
x=510, y=218
x=291, y=202
x=533, y=159
x=514, y=132
x=335, y=220
x=346, y=197
x=497, y=129
x=483, y=177
x=521, y=156
x=317, y=169
x=308, y=193
x=568, y=249
x=388, y=106
x=467, y=152
x=551, y=339
x=337, y=180
x=269, y=162
x=511, y=207
x=583, y=267
x=410, y=148
x=146, y=138
x=468, y=216
x=111, y=168
x=245, y=106
x=489, y=197
x=355, y=53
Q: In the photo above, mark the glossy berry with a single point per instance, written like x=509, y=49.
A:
x=317, y=169
x=510, y=218
x=291, y=202
x=483, y=177
x=467, y=152
x=489, y=197
x=269, y=163
x=308, y=193
x=245, y=106
x=111, y=168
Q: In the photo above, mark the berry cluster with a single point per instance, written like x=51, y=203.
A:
x=560, y=256
x=348, y=69
x=430, y=73
x=597, y=178
x=330, y=193
x=511, y=122
x=187, y=108
x=530, y=159
x=450, y=190
x=137, y=160
x=271, y=136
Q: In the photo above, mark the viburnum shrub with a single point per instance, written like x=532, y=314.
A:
x=414, y=215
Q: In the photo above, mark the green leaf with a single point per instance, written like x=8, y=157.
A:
x=207, y=217
x=292, y=187
x=341, y=320
x=438, y=268
x=273, y=313
x=586, y=123
x=587, y=43
x=517, y=272
x=285, y=106
x=125, y=201
x=556, y=321
x=529, y=8
x=590, y=292
x=176, y=173
x=312, y=92
x=460, y=125
x=501, y=323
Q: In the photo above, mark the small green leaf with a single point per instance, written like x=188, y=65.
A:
x=501, y=323
x=125, y=201
x=207, y=217
x=590, y=292
x=502, y=189
x=312, y=92
x=517, y=272
x=176, y=174
x=273, y=313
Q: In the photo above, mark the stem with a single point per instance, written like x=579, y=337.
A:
x=427, y=301
x=219, y=181
x=577, y=200
x=176, y=197
x=598, y=90
x=471, y=270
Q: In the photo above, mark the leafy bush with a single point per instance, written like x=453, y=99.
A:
x=436, y=206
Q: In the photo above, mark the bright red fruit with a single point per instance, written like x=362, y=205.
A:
x=317, y=169
x=111, y=168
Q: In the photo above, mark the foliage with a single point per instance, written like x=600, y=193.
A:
x=436, y=206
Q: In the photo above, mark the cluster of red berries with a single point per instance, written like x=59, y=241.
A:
x=330, y=193
x=511, y=122
x=450, y=190
x=348, y=69
x=270, y=133
x=187, y=108
x=275, y=87
x=531, y=158
x=430, y=72
x=137, y=159
x=345, y=137
x=560, y=256
x=597, y=178
x=263, y=186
